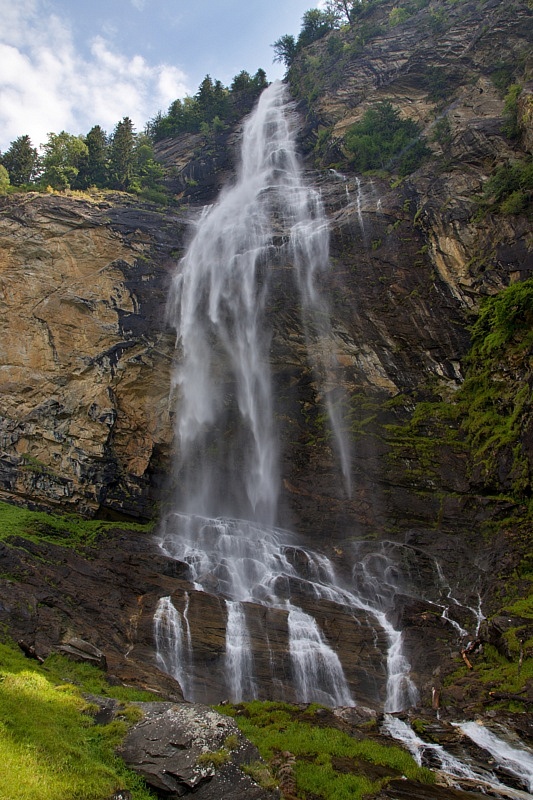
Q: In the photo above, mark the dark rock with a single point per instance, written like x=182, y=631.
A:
x=170, y=748
x=79, y=650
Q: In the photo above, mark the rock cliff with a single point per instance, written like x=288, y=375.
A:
x=86, y=419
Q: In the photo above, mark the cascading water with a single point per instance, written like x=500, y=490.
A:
x=466, y=772
x=222, y=522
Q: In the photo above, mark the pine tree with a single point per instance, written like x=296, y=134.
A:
x=21, y=161
x=122, y=155
x=94, y=168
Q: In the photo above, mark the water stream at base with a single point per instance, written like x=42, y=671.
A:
x=517, y=761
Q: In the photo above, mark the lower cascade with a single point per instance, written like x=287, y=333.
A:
x=289, y=618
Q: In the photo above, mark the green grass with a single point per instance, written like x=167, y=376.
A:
x=50, y=747
x=68, y=530
x=502, y=675
x=279, y=727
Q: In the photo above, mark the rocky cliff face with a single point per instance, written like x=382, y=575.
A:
x=86, y=417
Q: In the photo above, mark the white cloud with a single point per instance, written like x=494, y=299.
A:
x=46, y=85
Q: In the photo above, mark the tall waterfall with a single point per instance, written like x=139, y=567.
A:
x=222, y=523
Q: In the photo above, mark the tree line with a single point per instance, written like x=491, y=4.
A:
x=125, y=159
x=211, y=109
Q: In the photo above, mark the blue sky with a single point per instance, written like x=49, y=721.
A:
x=71, y=64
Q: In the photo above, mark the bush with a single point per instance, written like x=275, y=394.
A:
x=383, y=140
x=510, y=126
x=510, y=187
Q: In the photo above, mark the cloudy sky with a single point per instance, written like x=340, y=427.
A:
x=71, y=64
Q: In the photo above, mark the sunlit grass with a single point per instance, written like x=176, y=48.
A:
x=50, y=747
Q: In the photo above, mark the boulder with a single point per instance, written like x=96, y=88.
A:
x=171, y=749
x=80, y=650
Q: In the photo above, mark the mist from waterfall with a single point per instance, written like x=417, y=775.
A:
x=222, y=522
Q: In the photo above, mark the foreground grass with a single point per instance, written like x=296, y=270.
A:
x=329, y=763
x=50, y=746
x=67, y=530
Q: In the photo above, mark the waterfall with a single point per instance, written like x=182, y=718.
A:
x=173, y=640
x=318, y=672
x=222, y=520
x=239, y=661
x=516, y=760
x=513, y=760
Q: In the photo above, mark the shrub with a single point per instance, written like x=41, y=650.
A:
x=384, y=140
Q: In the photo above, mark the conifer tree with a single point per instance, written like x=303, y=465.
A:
x=122, y=155
x=21, y=161
x=94, y=168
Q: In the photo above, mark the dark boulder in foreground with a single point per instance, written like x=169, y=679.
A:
x=189, y=748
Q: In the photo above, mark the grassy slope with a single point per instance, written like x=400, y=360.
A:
x=50, y=746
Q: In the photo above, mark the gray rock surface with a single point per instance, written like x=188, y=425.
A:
x=170, y=748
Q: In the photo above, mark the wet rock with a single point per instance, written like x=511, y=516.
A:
x=409, y=790
x=171, y=749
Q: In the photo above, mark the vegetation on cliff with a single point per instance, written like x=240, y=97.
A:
x=383, y=140
x=66, y=530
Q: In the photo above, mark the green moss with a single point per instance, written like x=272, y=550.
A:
x=68, y=530
x=281, y=727
x=261, y=774
x=215, y=758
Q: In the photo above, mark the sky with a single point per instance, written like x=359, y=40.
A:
x=71, y=64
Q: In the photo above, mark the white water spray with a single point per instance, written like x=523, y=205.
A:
x=516, y=760
x=239, y=660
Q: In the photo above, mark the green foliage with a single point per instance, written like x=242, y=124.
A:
x=261, y=774
x=280, y=727
x=384, y=140
x=214, y=758
x=21, y=161
x=90, y=680
x=231, y=742
x=122, y=155
x=398, y=15
x=437, y=20
x=504, y=320
x=510, y=187
x=490, y=411
x=213, y=104
x=285, y=49
x=93, y=170
x=4, y=180
x=66, y=530
x=511, y=127
x=315, y=24
x=63, y=155
x=439, y=83
x=50, y=747
x=442, y=132
x=503, y=75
